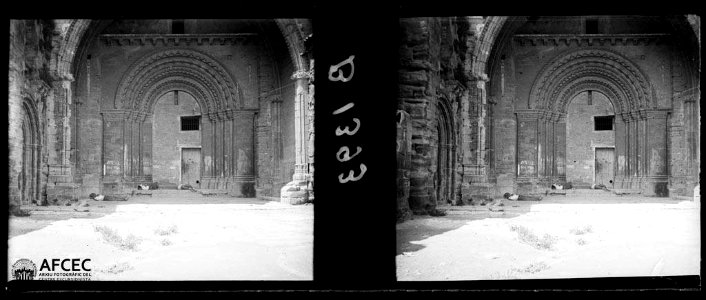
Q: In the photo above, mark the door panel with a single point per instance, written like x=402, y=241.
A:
x=604, y=166
x=190, y=166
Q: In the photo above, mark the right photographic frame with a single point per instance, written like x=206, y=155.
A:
x=541, y=147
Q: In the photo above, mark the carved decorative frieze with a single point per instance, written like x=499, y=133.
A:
x=531, y=40
x=117, y=40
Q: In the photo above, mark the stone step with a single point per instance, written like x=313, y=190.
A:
x=626, y=191
x=212, y=192
x=161, y=192
x=578, y=192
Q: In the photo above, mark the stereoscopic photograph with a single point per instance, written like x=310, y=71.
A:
x=160, y=150
x=518, y=147
x=541, y=147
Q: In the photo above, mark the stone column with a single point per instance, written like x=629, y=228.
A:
x=642, y=146
x=634, y=141
x=207, y=140
x=473, y=136
x=527, y=125
x=218, y=139
x=58, y=115
x=310, y=135
x=621, y=154
x=656, y=149
x=296, y=191
x=228, y=146
x=559, y=148
x=276, y=135
x=113, y=150
x=146, y=162
x=301, y=136
x=542, y=147
x=244, y=143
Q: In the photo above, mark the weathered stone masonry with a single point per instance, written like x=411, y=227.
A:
x=90, y=89
x=487, y=97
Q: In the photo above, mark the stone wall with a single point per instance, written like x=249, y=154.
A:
x=430, y=80
x=113, y=54
x=30, y=88
x=582, y=139
x=168, y=138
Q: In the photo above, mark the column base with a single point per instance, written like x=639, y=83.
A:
x=63, y=188
x=657, y=186
x=295, y=192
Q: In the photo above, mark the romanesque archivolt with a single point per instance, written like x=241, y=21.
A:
x=579, y=70
x=195, y=70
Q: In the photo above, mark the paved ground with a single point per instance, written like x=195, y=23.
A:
x=574, y=236
x=170, y=236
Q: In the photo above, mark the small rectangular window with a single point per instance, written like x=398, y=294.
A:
x=190, y=123
x=603, y=123
x=591, y=26
x=178, y=26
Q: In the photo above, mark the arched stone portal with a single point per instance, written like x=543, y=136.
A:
x=227, y=128
x=31, y=156
x=445, y=151
x=590, y=134
x=251, y=79
x=541, y=129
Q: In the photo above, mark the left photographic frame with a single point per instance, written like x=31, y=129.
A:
x=139, y=147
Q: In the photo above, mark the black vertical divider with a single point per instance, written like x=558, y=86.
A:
x=354, y=222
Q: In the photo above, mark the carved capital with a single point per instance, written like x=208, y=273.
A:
x=303, y=75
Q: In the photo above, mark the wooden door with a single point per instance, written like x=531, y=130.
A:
x=604, y=166
x=190, y=166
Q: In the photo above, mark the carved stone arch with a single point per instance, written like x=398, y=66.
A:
x=196, y=91
x=489, y=33
x=620, y=85
x=446, y=114
x=30, y=111
x=178, y=63
x=212, y=100
x=586, y=69
x=567, y=68
x=66, y=47
x=611, y=92
x=295, y=42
